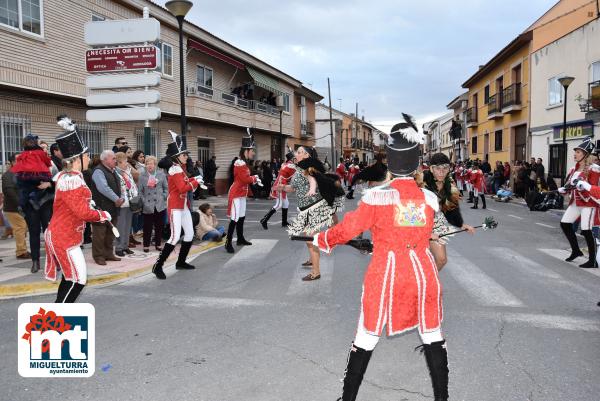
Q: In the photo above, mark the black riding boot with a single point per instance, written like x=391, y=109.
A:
x=437, y=362
x=475, y=203
x=240, y=232
x=68, y=291
x=591, y=244
x=470, y=200
x=183, y=253
x=358, y=360
x=482, y=196
x=230, y=230
x=350, y=194
x=157, y=269
x=284, y=222
x=567, y=228
x=265, y=219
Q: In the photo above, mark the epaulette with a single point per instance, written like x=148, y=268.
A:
x=175, y=169
x=239, y=162
x=69, y=182
x=380, y=196
x=431, y=199
x=595, y=168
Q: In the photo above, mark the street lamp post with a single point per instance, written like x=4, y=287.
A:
x=565, y=82
x=179, y=8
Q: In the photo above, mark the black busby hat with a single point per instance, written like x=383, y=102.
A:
x=438, y=159
x=403, y=147
x=587, y=145
x=290, y=154
x=373, y=173
x=248, y=140
x=69, y=142
x=176, y=147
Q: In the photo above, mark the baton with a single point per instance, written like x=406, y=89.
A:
x=114, y=229
x=363, y=245
x=488, y=224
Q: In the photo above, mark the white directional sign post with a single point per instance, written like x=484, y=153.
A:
x=120, y=47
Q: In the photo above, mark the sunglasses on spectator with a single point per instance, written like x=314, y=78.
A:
x=123, y=143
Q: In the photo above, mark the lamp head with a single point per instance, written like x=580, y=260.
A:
x=566, y=81
x=179, y=8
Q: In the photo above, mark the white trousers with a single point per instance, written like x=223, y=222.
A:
x=368, y=341
x=476, y=192
x=238, y=209
x=469, y=186
x=573, y=212
x=281, y=203
x=78, y=264
x=178, y=219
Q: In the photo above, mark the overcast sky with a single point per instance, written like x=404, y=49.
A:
x=390, y=56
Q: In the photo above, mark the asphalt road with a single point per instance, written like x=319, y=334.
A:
x=521, y=324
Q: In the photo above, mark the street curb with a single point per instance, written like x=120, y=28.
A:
x=49, y=287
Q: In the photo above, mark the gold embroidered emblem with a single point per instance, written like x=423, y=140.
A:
x=410, y=215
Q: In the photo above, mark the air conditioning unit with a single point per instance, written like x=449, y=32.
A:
x=279, y=101
x=302, y=101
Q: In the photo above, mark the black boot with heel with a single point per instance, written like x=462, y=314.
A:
x=567, y=229
x=437, y=362
x=157, y=269
x=229, y=240
x=183, y=253
x=358, y=360
x=591, y=244
x=240, y=232
x=265, y=220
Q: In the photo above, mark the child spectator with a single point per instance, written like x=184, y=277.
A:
x=208, y=229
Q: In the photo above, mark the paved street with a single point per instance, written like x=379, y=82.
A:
x=521, y=324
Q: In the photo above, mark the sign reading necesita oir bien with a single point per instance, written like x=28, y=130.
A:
x=122, y=58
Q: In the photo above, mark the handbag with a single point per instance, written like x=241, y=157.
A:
x=136, y=204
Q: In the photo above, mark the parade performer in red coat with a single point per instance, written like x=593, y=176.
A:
x=341, y=170
x=458, y=175
x=287, y=170
x=178, y=207
x=401, y=289
x=239, y=190
x=581, y=205
x=478, y=182
x=73, y=207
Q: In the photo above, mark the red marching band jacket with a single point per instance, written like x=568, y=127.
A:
x=72, y=209
x=341, y=171
x=241, y=181
x=590, y=175
x=352, y=171
x=477, y=180
x=458, y=174
x=179, y=186
x=285, y=174
x=401, y=288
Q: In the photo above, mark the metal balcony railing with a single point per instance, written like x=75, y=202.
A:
x=225, y=97
x=592, y=103
x=494, y=103
x=471, y=115
x=511, y=96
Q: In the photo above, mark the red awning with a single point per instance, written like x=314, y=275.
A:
x=213, y=53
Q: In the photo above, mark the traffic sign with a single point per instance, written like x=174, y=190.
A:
x=122, y=81
x=116, y=32
x=121, y=98
x=122, y=59
x=123, y=114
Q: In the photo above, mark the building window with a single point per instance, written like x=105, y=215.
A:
x=204, y=76
x=498, y=140
x=94, y=135
x=12, y=130
x=555, y=92
x=286, y=102
x=24, y=15
x=154, y=137
x=555, y=161
x=595, y=68
x=203, y=150
x=474, y=145
x=167, y=59
x=98, y=17
x=486, y=94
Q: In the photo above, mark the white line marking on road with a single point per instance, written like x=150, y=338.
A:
x=248, y=255
x=478, y=284
x=516, y=217
x=322, y=286
x=562, y=255
x=553, y=321
x=9, y=273
x=545, y=225
x=492, y=210
x=513, y=258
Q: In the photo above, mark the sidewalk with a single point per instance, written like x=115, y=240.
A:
x=16, y=279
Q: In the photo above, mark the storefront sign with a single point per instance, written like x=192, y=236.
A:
x=574, y=131
x=122, y=58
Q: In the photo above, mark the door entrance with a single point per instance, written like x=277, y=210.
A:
x=520, y=142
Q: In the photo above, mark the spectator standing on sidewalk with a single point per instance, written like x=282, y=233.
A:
x=129, y=191
x=11, y=211
x=56, y=157
x=153, y=190
x=119, y=142
x=106, y=192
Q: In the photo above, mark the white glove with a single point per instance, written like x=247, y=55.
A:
x=583, y=185
x=105, y=216
x=200, y=180
x=562, y=190
x=258, y=181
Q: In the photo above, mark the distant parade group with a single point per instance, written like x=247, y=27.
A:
x=409, y=212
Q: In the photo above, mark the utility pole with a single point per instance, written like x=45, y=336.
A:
x=333, y=161
x=356, y=126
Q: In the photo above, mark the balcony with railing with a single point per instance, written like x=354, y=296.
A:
x=494, y=106
x=511, y=98
x=307, y=129
x=471, y=115
x=194, y=89
x=592, y=103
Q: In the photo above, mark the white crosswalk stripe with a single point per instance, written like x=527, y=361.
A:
x=322, y=286
x=477, y=284
x=249, y=255
x=562, y=254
